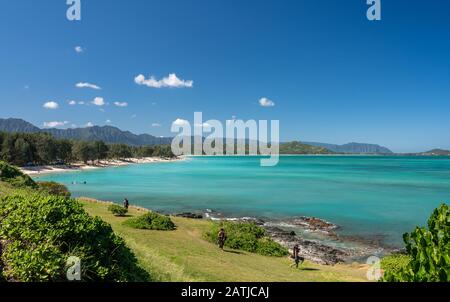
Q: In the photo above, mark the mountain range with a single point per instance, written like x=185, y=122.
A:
x=113, y=135
x=108, y=134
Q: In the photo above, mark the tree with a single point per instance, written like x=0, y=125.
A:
x=23, y=152
x=144, y=151
x=2, y=138
x=64, y=150
x=8, y=150
x=100, y=150
x=82, y=151
x=120, y=151
x=163, y=151
x=46, y=148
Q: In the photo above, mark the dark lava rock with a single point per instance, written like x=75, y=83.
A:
x=190, y=215
x=256, y=221
x=314, y=224
x=311, y=250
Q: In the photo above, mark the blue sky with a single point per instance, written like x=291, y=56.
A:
x=334, y=76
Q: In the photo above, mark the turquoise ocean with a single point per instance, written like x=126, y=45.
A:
x=366, y=196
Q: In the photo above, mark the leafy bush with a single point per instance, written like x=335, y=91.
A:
x=247, y=237
x=151, y=221
x=39, y=233
x=395, y=263
x=54, y=188
x=14, y=176
x=117, y=210
x=429, y=250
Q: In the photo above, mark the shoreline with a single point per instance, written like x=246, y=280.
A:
x=54, y=169
x=332, y=249
x=319, y=239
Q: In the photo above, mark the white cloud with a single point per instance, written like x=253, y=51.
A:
x=89, y=124
x=171, y=81
x=55, y=124
x=98, y=101
x=79, y=49
x=205, y=126
x=108, y=121
x=87, y=85
x=121, y=104
x=74, y=103
x=180, y=122
x=51, y=105
x=156, y=125
x=265, y=102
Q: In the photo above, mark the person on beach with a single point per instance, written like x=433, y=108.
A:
x=296, y=256
x=222, y=237
x=126, y=203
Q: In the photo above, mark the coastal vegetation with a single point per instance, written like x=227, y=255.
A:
x=54, y=188
x=395, y=263
x=117, y=210
x=14, y=176
x=22, y=149
x=246, y=237
x=151, y=221
x=428, y=251
x=39, y=232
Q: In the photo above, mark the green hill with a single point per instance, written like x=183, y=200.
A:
x=299, y=148
x=437, y=152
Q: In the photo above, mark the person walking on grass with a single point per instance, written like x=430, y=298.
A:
x=298, y=260
x=126, y=203
x=222, y=237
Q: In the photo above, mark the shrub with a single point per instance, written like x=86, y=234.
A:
x=247, y=237
x=428, y=250
x=39, y=233
x=54, y=188
x=14, y=176
x=117, y=210
x=395, y=263
x=151, y=221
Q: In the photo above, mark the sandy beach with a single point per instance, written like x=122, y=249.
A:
x=37, y=170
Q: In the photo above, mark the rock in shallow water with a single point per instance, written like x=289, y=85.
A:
x=314, y=224
x=310, y=250
x=189, y=215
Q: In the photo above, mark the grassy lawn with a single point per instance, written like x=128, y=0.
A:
x=183, y=255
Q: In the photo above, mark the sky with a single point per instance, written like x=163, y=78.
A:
x=320, y=67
